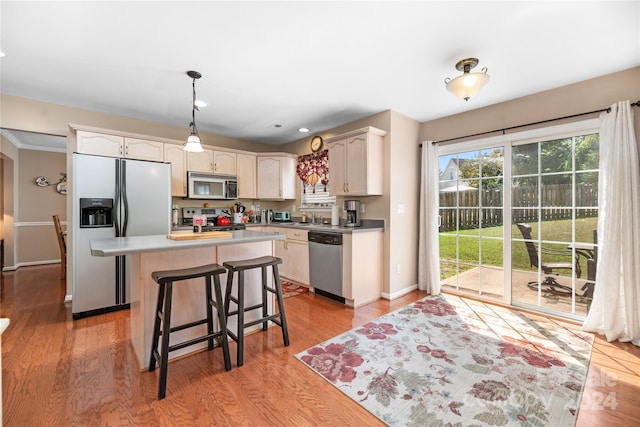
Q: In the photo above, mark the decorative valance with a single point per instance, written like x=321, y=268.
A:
x=313, y=168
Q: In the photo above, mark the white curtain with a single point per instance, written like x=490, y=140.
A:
x=428, y=246
x=615, y=311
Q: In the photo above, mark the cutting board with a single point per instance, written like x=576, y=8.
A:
x=203, y=235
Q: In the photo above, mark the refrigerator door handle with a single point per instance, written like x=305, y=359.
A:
x=117, y=202
x=125, y=202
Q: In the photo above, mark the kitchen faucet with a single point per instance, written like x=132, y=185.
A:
x=313, y=217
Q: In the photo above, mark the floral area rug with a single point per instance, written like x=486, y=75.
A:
x=291, y=289
x=450, y=361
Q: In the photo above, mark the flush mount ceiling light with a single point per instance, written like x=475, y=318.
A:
x=468, y=84
x=193, y=141
x=303, y=130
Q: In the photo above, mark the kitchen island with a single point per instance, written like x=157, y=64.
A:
x=146, y=254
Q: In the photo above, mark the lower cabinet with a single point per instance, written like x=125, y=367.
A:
x=294, y=253
x=362, y=271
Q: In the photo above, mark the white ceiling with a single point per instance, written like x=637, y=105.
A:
x=313, y=64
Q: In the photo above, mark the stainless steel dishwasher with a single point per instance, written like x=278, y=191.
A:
x=325, y=264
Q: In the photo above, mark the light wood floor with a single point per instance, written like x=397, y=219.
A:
x=59, y=372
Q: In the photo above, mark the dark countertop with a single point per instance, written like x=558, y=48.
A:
x=367, y=226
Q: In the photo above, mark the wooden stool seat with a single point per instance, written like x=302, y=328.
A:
x=162, y=325
x=278, y=318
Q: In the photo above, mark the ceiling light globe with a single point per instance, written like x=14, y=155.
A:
x=467, y=85
x=193, y=144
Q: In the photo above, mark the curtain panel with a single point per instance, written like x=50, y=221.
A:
x=428, y=242
x=615, y=311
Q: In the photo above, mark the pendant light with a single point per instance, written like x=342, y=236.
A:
x=468, y=84
x=193, y=141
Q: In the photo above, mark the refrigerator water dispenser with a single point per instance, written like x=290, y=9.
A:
x=96, y=213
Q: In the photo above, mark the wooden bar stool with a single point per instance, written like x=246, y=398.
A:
x=278, y=318
x=166, y=280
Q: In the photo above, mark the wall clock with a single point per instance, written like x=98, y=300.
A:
x=316, y=143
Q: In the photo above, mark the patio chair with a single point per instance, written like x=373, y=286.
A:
x=549, y=284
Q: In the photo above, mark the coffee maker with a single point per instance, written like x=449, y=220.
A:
x=352, y=207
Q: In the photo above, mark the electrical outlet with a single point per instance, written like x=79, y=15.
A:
x=397, y=268
x=293, y=209
x=400, y=208
x=361, y=207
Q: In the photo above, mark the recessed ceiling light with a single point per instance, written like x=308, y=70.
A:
x=277, y=126
x=200, y=103
x=1, y=54
x=303, y=130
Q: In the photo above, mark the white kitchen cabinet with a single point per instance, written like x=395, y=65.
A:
x=200, y=162
x=362, y=267
x=176, y=155
x=224, y=163
x=143, y=149
x=356, y=163
x=100, y=144
x=246, y=171
x=119, y=146
x=220, y=162
x=276, y=176
x=294, y=253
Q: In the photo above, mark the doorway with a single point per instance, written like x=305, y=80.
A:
x=518, y=218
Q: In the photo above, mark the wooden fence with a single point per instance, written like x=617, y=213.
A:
x=467, y=209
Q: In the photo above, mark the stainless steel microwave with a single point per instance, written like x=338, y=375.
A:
x=203, y=185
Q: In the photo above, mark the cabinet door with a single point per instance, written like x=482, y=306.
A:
x=100, y=144
x=269, y=178
x=143, y=150
x=356, y=165
x=288, y=178
x=337, y=168
x=200, y=162
x=298, y=260
x=224, y=162
x=175, y=155
x=246, y=170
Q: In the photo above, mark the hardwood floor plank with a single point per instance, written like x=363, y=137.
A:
x=61, y=372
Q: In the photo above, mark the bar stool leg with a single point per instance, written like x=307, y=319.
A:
x=207, y=285
x=283, y=317
x=240, y=356
x=166, y=327
x=156, y=328
x=265, y=312
x=224, y=342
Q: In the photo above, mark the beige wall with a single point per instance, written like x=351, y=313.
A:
x=585, y=96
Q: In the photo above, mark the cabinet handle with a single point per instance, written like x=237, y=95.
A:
x=121, y=150
x=215, y=167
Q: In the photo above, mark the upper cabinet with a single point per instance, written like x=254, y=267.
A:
x=276, y=176
x=355, y=163
x=224, y=163
x=200, y=162
x=175, y=154
x=246, y=170
x=220, y=162
x=119, y=146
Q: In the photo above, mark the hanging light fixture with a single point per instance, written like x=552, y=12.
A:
x=468, y=84
x=193, y=141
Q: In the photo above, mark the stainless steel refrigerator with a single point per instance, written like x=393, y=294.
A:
x=112, y=198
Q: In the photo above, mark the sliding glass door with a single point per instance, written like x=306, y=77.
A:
x=471, y=219
x=518, y=218
x=554, y=190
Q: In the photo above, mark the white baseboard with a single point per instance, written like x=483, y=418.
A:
x=399, y=293
x=29, y=264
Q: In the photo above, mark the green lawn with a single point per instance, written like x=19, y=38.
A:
x=492, y=245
